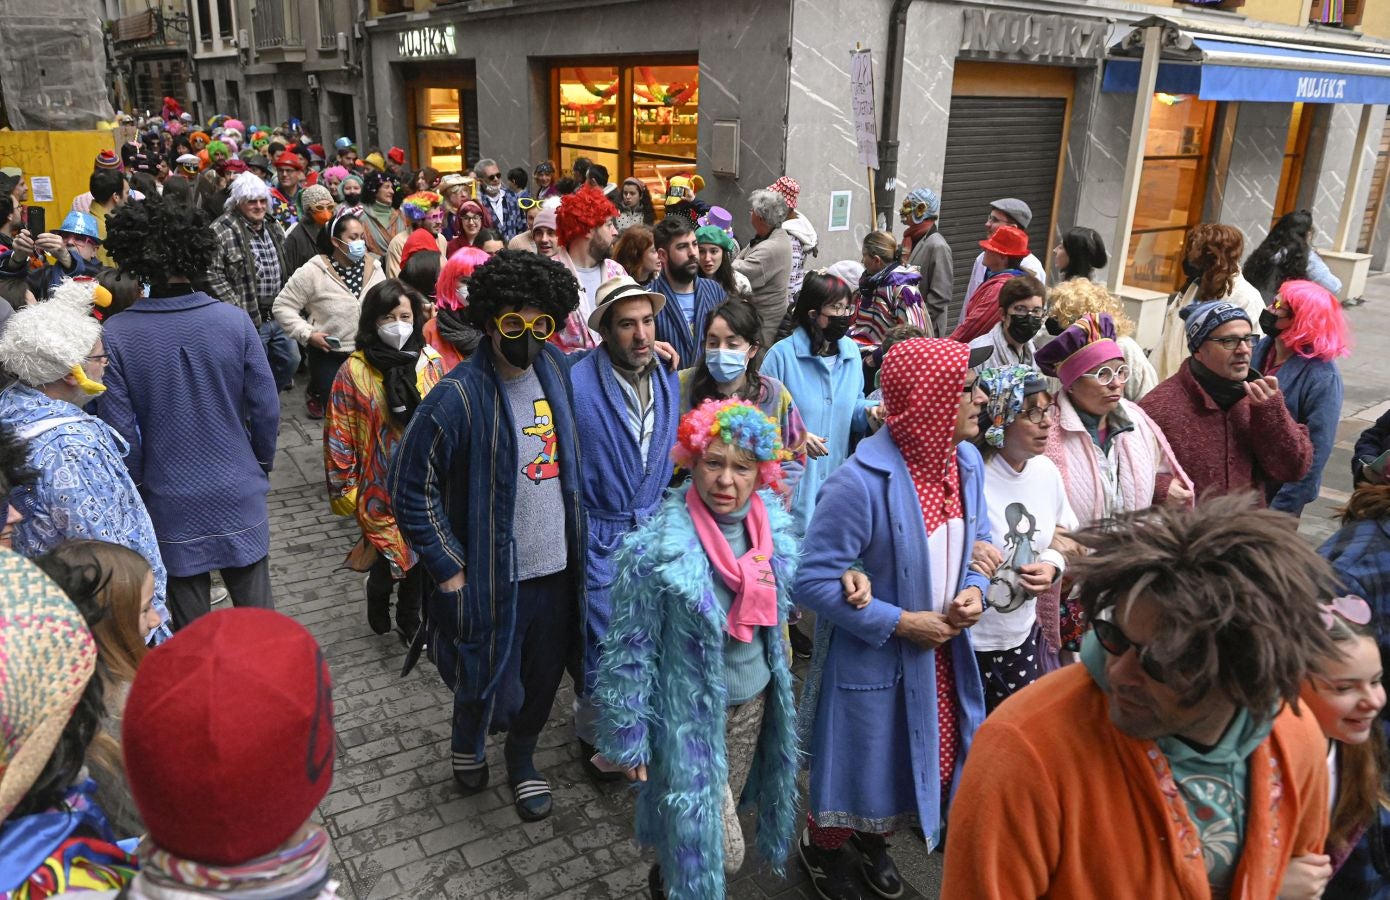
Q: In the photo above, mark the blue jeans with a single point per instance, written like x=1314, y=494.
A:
x=282, y=352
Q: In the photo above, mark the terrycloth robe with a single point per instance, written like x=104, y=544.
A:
x=618, y=487
x=1312, y=390
x=453, y=489
x=662, y=700
x=868, y=712
x=671, y=325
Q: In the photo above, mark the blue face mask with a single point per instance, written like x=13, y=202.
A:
x=356, y=250
x=726, y=366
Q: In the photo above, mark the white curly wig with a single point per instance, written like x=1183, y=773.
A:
x=42, y=343
x=247, y=186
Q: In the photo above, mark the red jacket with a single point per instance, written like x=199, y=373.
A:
x=1223, y=451
x=982, y=308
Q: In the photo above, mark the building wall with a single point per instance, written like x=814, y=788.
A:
x=1246, y=195
x=743, y=75
x=1325, y=176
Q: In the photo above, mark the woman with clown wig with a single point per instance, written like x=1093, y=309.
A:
x=694, y=689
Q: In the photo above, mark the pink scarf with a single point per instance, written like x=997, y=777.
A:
x=749, y=576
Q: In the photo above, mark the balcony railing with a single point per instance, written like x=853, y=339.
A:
x=277, y=25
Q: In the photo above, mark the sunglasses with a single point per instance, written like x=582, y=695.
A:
x=513, y=325
x=1106, y=375
x=528, y=202
x=1351, y=607
x=495, y=176
x=1114, y=642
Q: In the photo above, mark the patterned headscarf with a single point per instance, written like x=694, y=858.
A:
x=47, y=656
x=921, y=380
x=1007, y=387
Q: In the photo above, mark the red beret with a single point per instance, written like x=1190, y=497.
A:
x=289, y=160
x=316, y=149
x=233, y=166
x=228, y=736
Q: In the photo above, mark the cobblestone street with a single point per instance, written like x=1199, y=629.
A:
x=399, y=825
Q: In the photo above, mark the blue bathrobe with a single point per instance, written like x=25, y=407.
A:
x=868, y=713
x=688, y=337
x=619, y=489
x=1312, y=390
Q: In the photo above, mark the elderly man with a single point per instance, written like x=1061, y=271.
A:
x=1008, y=211
x=250, y=268
x=1172, y=763
x=500, y=202
x=630, y=406
x=767, y=260
x=81, y=488
x=1228, y=426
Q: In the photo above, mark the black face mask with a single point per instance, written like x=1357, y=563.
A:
x=1053, y=327
x=1269, y=322
x=837, y=328
x=1022, y=328
x=1191, y=269
x=352, y=199
x=521, y=351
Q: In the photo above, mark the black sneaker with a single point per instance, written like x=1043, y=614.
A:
x=801, y=644
x=877, y=867
x=829, y=875
x=655, y=886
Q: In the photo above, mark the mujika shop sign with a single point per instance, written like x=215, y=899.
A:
x=429, y=40
x=1002, y=33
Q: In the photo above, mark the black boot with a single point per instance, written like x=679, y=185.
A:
x=830, y=876
x=655, y=885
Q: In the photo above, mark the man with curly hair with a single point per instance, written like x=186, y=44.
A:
x=249, y=268
x=216, y=394
x=1174, y=761
x=485, y=486
x=585, y=228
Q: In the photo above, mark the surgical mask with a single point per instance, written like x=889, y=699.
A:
x=522, y=351
x=321, y=216
x=1269, y=322
x=1022, y=328
x=726, y=366
x=356, y=250
x=837, y=328
x=395, y=334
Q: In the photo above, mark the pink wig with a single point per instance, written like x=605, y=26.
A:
x=337, y=172
x=1318, y=329
x=459, y=267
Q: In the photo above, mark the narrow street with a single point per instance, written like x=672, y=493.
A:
x=399, y=825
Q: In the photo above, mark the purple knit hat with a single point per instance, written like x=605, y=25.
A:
x=1089, y=342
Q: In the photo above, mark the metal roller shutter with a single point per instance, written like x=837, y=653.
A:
x=997, y=147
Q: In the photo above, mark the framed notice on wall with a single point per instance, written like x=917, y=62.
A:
x=839, y=210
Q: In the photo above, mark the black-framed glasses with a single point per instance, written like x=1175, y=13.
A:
x=1230, y=343
x=1106, y=375
x=1114, y=641
x=1037, y=414
x=513, y=325
x=102, y=358
x=971, y=386
x=1037, y=315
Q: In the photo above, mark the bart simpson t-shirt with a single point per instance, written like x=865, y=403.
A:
x=539, y=523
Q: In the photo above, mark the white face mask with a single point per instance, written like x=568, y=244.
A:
x=395, y=334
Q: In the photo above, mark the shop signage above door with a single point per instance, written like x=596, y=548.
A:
x=1017, y=35
x=426, y=41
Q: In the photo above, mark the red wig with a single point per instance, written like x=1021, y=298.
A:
x=457, y=268
x=580, y=213
x=1318, y=329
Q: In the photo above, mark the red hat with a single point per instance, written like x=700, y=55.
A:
x=289, y=160
x=228, y=736
x=107, y=159
x=1007, y=241
x=232, y=166
x=316, y=149
x=396, y=155
x=788, y=188
x=420, y=239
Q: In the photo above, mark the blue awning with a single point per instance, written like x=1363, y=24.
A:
x=1225, y=69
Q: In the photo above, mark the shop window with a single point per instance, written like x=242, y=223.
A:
x=638, y=120
x=1172, y=189
x=439, y=134
x=1295, y=149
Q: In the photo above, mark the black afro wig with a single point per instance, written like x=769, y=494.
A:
x=155, y=240
x=512, y=279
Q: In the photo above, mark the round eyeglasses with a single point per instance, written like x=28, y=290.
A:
x=513, y=325
x=1106, y=375
x=1038, y=414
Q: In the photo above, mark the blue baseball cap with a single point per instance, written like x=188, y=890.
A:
x=81, y=224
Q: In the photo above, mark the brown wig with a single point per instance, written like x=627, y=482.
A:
x=105, y=582
x=629, y=249
x=1368, y=502
x=1216, y=250
x=1238, y=594
x=1361, y=767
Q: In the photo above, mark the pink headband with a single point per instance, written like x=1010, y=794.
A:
x=1088, y=357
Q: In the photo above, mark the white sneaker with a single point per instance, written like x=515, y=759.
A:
x=219, y=594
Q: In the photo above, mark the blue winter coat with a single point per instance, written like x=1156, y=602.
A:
x=619, y=488
x=1312, y=390
x=453, y=489
x=662, y=700
x=868, y=714
x=671, y=326
x=189, y=388
x=829, y=394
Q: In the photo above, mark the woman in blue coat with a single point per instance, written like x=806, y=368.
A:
x=821, y=368
x=1304, y=332
x=694, y=690
x=895, y=696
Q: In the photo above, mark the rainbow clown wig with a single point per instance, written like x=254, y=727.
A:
x=1317, y=329
x=420, y=204
x=740, y=424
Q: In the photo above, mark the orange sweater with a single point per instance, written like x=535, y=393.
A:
x=1056, y=802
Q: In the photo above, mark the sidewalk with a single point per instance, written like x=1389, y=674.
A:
x=399, y=825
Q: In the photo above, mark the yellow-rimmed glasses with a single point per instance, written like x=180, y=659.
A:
x=528, y=202
x=513, y=325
